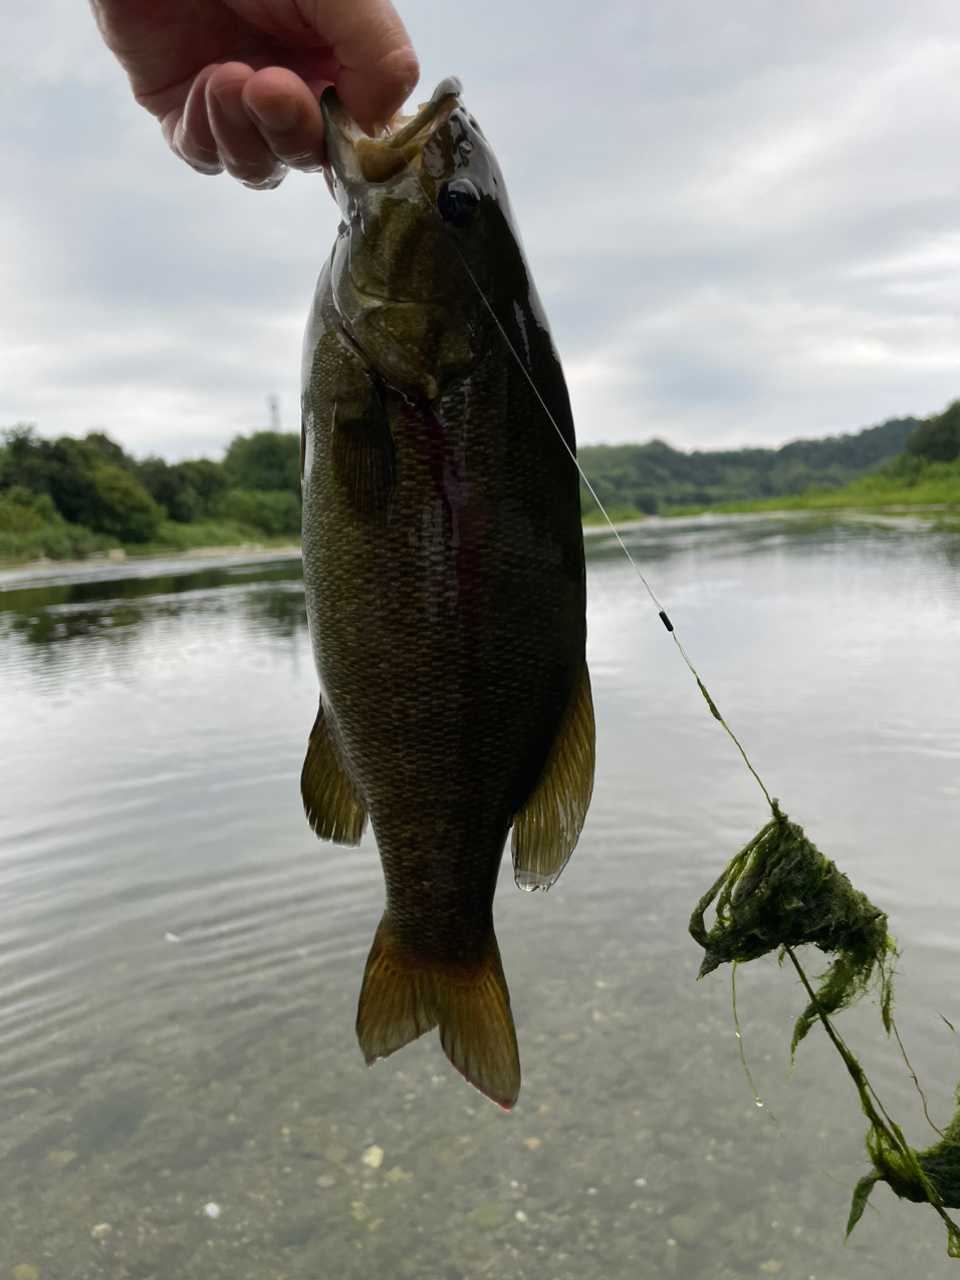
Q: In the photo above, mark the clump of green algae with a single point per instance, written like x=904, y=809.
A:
x=937, y=1169
x=781, y=892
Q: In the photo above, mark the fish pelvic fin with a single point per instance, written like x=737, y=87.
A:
x=546, y=829
x=333, y=808
x=404, y=996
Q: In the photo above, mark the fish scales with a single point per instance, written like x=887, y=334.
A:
x=444, y=577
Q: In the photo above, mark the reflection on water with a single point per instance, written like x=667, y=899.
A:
x=103, y=612
x=180, y=959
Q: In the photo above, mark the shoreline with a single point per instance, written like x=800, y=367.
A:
x=756, y=508
x=119, y=559
x=43, y=567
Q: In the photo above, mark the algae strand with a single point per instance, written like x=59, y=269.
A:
x=930, y=1176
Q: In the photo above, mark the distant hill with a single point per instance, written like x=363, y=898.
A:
x=654, y=477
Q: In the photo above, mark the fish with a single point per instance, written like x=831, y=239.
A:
x=443, y=572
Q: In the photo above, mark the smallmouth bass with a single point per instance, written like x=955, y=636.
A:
x=444, y=574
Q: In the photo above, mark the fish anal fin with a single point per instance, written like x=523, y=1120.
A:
x=546, y=829
x=333, y=808
x=404, y=996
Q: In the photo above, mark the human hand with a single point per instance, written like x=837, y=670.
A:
x=235, y=83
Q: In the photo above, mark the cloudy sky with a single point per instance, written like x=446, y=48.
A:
x=743, y=217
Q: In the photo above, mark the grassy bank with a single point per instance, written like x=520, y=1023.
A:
x=174, y=536
x=617, y=513
x=905, y=482
x=73, y=542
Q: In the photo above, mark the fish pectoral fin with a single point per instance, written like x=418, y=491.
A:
x=547, y=828
x=333, y=808
x=404, y=996
x=362, y=448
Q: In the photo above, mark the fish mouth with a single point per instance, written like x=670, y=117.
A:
x=358, y=159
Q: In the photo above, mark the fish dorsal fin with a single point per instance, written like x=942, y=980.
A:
x=333, y=808
x=547, y=828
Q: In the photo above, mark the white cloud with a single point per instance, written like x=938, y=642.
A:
x=743, y=219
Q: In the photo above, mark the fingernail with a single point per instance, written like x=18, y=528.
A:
x=276, y=114
x=268, y=184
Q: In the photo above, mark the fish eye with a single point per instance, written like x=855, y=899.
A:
x=458, y=200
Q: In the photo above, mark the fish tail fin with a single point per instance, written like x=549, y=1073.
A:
x=404, y=996
x=397, y=999
x=477, y=1031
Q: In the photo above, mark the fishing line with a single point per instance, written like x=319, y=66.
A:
x=789, y=876
x=661, y=611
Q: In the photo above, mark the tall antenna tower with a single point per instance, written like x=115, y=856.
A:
x=273, y=408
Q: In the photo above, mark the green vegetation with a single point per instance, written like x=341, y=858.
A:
x=780, y=893
x=267, y=461
x=31, y=526
x=926, y=473
x=653, y=478
x=904, y=481
x=923, y=471
x=67, y=498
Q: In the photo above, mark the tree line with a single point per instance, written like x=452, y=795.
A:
x=653, y=478
x=69, y=497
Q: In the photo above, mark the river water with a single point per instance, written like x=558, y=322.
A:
x=182, y=1093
